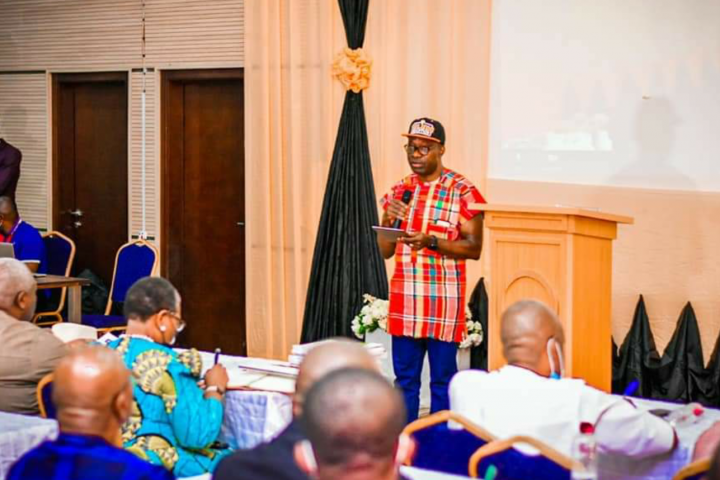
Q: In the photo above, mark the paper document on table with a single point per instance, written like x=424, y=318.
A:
x=241, y=379
x=275, y=367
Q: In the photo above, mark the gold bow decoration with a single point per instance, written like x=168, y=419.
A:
x=352, y=68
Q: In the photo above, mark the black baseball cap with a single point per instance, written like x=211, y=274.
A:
x=428, y=129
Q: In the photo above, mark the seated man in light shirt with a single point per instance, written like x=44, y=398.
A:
x=529, y=397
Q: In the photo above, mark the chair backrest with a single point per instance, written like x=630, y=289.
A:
x=60, y=252
x=511, y=464
x=694, y=471
x=44, y=397
x=133, y=261
x=442, y=448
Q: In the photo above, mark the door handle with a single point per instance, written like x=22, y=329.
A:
x=77, y=224
x=76, y=213
x=240, y=224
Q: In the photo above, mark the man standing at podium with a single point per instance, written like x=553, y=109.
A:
x=437, y=208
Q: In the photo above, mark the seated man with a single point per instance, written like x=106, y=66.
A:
x=528, y=397
x=93, y=395
x=27, y=352
x=28, y=243
x=354, y=420
x=274, y=460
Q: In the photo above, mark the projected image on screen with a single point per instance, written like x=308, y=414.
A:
x=606, y=93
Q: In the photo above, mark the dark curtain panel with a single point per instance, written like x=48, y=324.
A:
x=347, y=261
x=479, y=308
x=710, y=394
x=681, y=373
x=638, y=359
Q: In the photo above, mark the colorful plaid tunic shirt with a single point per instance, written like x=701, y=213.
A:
x=427, y=290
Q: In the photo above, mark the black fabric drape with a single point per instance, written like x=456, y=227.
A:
x=638, y=357
x=479, y=308
x=346, y=261
x=710, y=394
x=681, y=373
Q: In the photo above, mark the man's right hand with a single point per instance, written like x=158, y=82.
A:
x=217, y=376
x=395, y=209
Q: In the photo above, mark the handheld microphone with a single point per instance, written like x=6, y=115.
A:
x=407, y=195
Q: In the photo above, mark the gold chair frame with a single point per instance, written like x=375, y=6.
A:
x=153, y=272
x=443, y=417
x=694, y=468
x=63, y=294
x=38, y=392
x=502, y=445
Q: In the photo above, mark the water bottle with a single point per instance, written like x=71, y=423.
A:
x=685, y=415
x=584, y=451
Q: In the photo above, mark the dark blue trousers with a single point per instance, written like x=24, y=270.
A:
x=408, y=355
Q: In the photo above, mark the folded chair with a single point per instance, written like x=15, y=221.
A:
x=60, y=253
x=512, y=464
x=133, y=261
x=442, y=448
x=44, y=397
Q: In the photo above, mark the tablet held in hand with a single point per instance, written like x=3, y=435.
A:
x=390, y=233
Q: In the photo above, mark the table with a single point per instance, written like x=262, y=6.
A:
x=615, y=467
x=20, y=433
x=254, y=417
x=251, y=416
x=74, y=286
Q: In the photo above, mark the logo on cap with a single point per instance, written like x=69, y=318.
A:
x=421, y=127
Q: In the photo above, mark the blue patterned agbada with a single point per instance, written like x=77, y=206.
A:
x=171, y=423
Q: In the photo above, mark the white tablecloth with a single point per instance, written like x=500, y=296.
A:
x=254, y=417
x=20, y=433
x=251, y=417
x=613, y=467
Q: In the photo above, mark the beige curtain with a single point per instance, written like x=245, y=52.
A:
x=430, y=58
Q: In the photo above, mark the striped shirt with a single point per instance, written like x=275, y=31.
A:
x=427, y=290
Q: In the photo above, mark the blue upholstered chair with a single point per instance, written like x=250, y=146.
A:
x=133, y=261
x=512, y=464
x=441, y=448
x=60, y=253
x=44, y=397
x=694, y=471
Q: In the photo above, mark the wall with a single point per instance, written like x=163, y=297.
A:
x=614, y=105
x=41, y=37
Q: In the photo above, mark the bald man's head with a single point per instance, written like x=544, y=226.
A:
x=328, y=357
x=92, y=392
x=353, y=419
x=18, y=294
x=526, y=327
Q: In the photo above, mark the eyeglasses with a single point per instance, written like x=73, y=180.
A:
x=411, y=149
x=180, y=322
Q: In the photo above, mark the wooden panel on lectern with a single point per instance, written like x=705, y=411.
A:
x=589, y=348
x=561, y=256
x=513, y=253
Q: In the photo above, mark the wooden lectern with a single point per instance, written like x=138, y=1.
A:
x=561, y=256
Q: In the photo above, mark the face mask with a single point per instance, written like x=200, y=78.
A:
x=553, y=374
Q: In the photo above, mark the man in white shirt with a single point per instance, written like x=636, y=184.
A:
x=529, y=396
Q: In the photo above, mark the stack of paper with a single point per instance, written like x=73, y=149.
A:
x=298, y=352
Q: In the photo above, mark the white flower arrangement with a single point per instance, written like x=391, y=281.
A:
x=374, y=314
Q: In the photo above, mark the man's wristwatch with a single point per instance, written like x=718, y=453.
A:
x=433, y=245
x=215, y=388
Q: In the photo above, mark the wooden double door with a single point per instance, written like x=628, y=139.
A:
x=202, y=189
